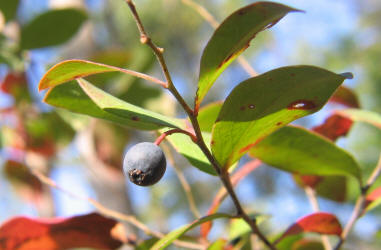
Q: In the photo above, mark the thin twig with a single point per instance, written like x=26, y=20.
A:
x=174, y=131
x=222, y=173
x=111, y=213
x=145, y=39
x=184, y=183
x=358, y=210
x=311, y=195
x=209, y=18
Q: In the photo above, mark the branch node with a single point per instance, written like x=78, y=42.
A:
x=161, y=50
x=144, y=39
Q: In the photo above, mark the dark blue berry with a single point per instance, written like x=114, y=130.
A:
x=144, y=164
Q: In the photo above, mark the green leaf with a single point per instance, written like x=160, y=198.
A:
x=361, y=115
x=307, y=244
x=218, y=245
x=300, y=151
x=263, y=104
x=118, y=107
x=51, y=28
x=70, y=96
x=207, y=116
x=73, y=69
x=9, y=8
x=232, y=37
x=169, y=238
x=185, y=146
x=147, y=244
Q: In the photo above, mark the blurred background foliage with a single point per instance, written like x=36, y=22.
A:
x=85, y=155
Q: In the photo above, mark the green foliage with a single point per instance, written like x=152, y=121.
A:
x=300, y=151
x=51, y=28
x=9, y=9
x=184, y=145
x=137, y=117
x=263, y=104
x=232, y=37
x=72, y=69
x=169, y=238
x=207, y=116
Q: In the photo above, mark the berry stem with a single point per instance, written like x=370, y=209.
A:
x=174, y=131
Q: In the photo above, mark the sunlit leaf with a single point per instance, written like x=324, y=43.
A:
x=207, y=116
x=232, y=37
x=142, y=117
x=169, y=238
x=218, y=245
x=360, y=115
x=321, y=222
x=298, y=150
x=51, y=28
x=73, y=69
x=185, y=146
x=263, y=104
x=89, y=231
x=70, y=96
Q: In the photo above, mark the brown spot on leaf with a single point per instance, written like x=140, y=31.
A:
x=244, y=149
x=279, y=123
x=135, y=118
x=242, y=108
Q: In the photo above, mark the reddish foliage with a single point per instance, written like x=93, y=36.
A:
x=310, y=180
x=346, y=97
x=322, y=223
x=12, y=81
x=374, y=195
x=92, y=230
x=334, y=127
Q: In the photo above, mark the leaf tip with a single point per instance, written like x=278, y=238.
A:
x=347, y=75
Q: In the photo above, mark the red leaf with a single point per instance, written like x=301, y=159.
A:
x=12, y=81
x=322, y=223
x=235, y=179
x=373, y=196
x=308, y=180
x=92, y=230
x=334, y=127
x=345, y=96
